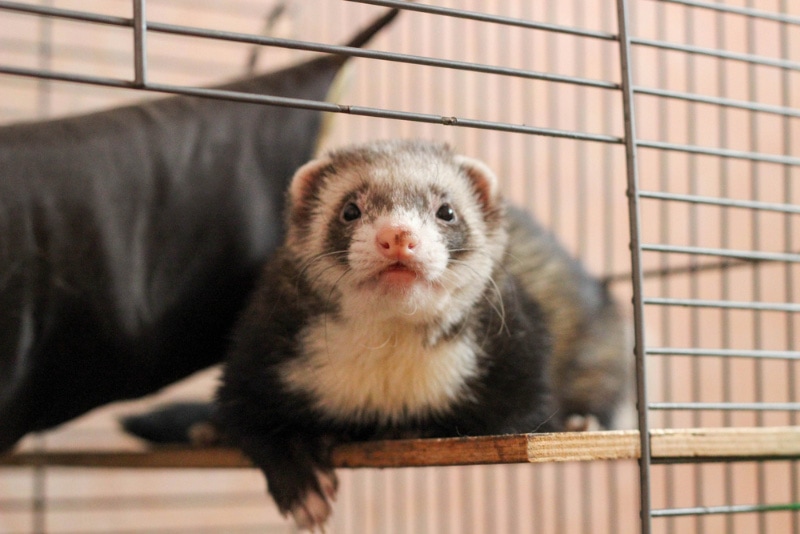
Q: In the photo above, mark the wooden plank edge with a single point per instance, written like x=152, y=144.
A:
x=711, y=444
x=721, y=443
x=444, y=451
x=583, y=446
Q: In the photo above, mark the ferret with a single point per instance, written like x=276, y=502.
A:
x=131, y=238
x=409, y=301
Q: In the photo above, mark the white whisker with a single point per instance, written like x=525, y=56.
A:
x=316, y=258
x=327, y=303
x=498, y=306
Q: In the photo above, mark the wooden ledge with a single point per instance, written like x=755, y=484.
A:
x=675, y=445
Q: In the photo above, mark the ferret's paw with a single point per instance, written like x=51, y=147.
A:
x=311, y=512
x=582, y=423
x=314, y=509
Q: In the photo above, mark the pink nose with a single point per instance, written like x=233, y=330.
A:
x=396, y=242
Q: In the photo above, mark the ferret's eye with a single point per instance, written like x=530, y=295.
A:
x=350, y=212
x=446, y=213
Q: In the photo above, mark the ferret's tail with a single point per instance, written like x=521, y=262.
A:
x=364, y=36
x=341, y=83
x=179, y=422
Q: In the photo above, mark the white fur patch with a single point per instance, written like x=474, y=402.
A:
x=361, y=370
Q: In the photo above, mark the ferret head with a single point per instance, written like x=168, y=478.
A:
x=399, y=230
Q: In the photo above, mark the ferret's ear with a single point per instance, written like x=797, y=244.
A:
x=483, y=180
x=307, y=181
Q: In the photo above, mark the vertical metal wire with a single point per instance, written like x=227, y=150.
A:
x=636, y=267
x=139, y=43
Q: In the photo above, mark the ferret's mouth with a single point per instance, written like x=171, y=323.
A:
x=399, y=273
x=399, y=266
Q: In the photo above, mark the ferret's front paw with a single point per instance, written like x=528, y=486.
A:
x=582, y=423
x=315, y=507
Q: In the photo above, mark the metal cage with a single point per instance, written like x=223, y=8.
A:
x=660, y=139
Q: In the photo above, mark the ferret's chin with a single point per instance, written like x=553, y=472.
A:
x=400, y=293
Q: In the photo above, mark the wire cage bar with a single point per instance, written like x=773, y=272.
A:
x=632, y=172
x=626, y=125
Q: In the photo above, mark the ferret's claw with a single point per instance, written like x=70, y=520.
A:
x=314, y=509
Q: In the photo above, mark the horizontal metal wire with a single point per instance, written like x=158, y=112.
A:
x=719, y=101
x=726, y=353
x=311, y=104
x=725, y=509
x=748, y=12
x=721, y=152
x=724, y=304
x=118, y=56
x=244, y=11
x=677, y=270
x=721, y=54
x=723, y=202
x=70, y=14
x=485, y=17
x=292, y=44
x=727, y=406
x=722, y=252
x=482, y=68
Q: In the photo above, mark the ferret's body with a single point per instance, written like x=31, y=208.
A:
x=591, y=362
x=406, y=302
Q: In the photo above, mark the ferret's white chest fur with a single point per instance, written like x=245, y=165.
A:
x=364, y=370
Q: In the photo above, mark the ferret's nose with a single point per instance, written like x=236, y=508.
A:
x=396, y=242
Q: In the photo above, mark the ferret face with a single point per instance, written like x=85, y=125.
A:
x=396, y=230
